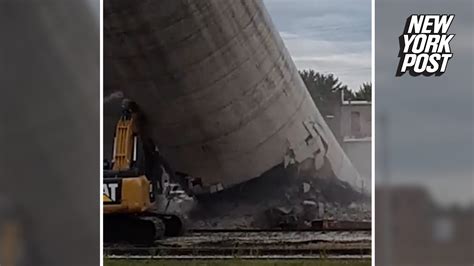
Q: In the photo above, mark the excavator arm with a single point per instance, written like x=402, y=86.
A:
x=131, y=184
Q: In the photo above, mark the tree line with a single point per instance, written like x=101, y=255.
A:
x=325, y=89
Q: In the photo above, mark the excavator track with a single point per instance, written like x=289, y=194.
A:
x=141, y=229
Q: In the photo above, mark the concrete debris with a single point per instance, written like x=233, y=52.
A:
x=281, y=199
x=174, y=199
x=281, y=217
x=341, y=224
x=310, y=211
x=309, y=203
x=320, y=209
x=353, y=205
x=306, y=187
x=284, y=210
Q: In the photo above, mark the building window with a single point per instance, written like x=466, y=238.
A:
x=355, y=124
x=443, y=229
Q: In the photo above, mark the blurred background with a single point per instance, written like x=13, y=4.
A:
x=49, y=135
x=49, y=132
x=424, y=144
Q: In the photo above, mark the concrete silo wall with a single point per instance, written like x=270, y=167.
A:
x=222, y=96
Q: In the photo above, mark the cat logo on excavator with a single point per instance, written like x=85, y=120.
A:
x=112, y=191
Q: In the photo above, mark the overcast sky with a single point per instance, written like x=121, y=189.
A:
x=329, y=36
x=430, y=120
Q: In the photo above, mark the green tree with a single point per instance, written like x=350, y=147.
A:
x=364, y=93
x=324, y=89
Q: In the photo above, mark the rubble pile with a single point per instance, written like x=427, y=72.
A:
x=280, y=199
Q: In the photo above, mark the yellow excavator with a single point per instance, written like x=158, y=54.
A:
x=132, y=184
x=12, y=244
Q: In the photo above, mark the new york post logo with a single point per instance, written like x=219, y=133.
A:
x=424, y=45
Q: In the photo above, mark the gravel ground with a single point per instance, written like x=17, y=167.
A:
x=267, y=239
x=236, y=262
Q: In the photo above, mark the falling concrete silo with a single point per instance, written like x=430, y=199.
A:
x=221, y=94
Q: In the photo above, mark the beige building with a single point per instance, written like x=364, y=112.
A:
x=412, y=230
x=351, y=123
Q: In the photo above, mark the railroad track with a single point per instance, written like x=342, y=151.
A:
x=252, y=243
x=255, y=230
x=250, y=257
